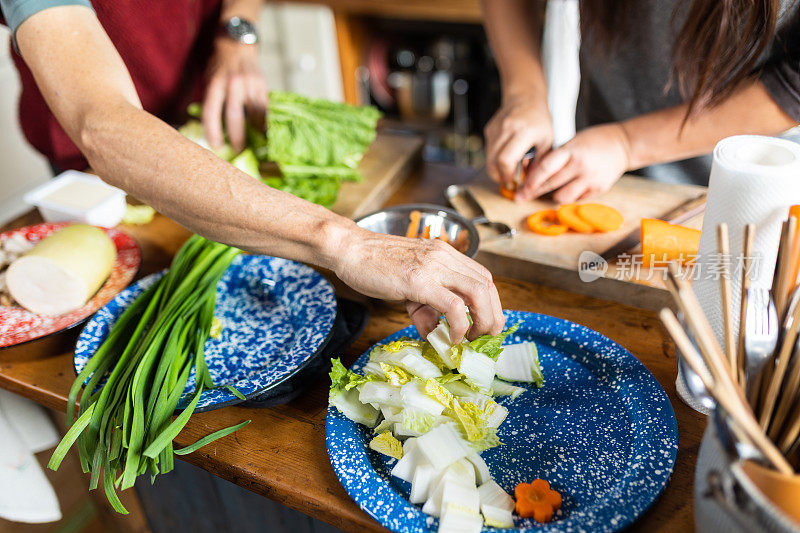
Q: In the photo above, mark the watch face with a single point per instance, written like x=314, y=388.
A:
x=242, y=30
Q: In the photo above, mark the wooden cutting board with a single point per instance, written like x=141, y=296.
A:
x=554, y=260
x=386, y=165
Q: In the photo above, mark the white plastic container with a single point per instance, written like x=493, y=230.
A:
x=74, y=196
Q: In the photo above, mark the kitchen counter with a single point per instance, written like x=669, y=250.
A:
x=282, y=455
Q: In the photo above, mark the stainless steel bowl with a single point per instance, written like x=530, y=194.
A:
x=395, y=220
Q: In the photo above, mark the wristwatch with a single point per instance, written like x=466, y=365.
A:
x=241, y=30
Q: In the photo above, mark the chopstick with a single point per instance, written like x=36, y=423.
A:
x=775, y=381
x=782, y=277
x=736, y=408
x=724, y=251
x=747, y=259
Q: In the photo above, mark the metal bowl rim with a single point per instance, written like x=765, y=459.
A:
x=474, y=237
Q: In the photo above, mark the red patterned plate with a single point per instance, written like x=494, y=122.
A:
x=18, y=325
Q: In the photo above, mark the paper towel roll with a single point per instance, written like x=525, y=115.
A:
x=754, y=180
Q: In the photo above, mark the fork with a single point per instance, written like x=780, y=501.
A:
x=760, y=336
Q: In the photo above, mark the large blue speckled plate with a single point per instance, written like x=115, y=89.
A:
x=601, y=431
x=275, y=315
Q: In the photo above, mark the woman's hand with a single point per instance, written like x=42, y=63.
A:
x=429, y=275
x=236, y=84
x=587, y=165
x=523, y=121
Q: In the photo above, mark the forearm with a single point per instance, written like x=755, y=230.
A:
x=137, y=152
x=658, y=137
x=514, y=29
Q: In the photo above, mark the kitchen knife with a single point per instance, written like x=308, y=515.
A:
x=685, y=211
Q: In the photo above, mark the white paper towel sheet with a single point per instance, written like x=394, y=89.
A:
x=754, y=180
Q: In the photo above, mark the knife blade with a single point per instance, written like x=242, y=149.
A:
x=685, y=211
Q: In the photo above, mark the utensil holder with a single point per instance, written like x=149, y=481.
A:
x=728, y=500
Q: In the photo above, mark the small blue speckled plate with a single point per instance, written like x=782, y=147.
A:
x=601, y=431
x=275, y=316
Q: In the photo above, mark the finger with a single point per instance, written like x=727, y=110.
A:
x=497, y=309
x=475, y=293
x=494, y=145
x=257, y=103
x=510, y=155
x=555, y=180
x=451, y=306
x=234, y=112
x=424, y=317
x=212, y=111
x=571, y=191
x=543, y=169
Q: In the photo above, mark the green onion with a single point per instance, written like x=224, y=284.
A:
x=132, y=385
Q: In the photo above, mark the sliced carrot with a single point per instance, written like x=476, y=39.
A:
x=545, y=222
x=507, y=193
x=536, y=500
x=413, y=225
x=426, y=233
x=601, y=217
x=568, y=216
x=663, y=243
x=443, y=236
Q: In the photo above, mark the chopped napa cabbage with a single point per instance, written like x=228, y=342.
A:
x=390, y=412
x=247, y=162
x=409, y=444
x=501, y=388
x=482, y=474
x=430, y=354
x=396, y=346
x=520, y=362
x=347, y=402
x=462, y=389
x=471, y=418
x=497, y=517
x=138, y=214
x=491, y=345
x=402, y=432
x=465, y=496
x=478, y=368
x=194, y=131
x=442, y=446
x=435, y=390
x=381, y=393
x=386, y=444
x=405, y=467
x=421, y=483
x=492, y=494
x=385, y=425
x=449, y=377
x=216, y=328
x=494, y=413
x=344, y=379
x=394, y=374
x=409, y=358
x=417, y=422
x=456, y=520
x=439, y=340
x=374, y=369
x=488, y=440
x=414, y=397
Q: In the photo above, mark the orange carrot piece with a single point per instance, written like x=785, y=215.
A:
x=443, y=236
x=536, y=500
x=545, y=222
x=663, y=243
x=794, y=261
x=426, y=232
x=507, y=193
x=413, y=226
x=568, y=216
x=601, y=217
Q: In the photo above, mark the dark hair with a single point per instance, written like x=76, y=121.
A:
x=717, y=47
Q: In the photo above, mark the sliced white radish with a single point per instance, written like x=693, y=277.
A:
x=482, y=474
x=421, y=483
x=63, y=271
x=442, y=446
x=519, y=362
x=492, y=494
x=496, y=516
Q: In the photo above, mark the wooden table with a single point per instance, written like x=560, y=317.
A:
x=282, y=455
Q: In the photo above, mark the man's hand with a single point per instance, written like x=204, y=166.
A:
x=521, y=122
x=235, y=86
x=587, y=165
x=429, y=274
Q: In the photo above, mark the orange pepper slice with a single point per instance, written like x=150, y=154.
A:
x=507, y=193
x=545, y=222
